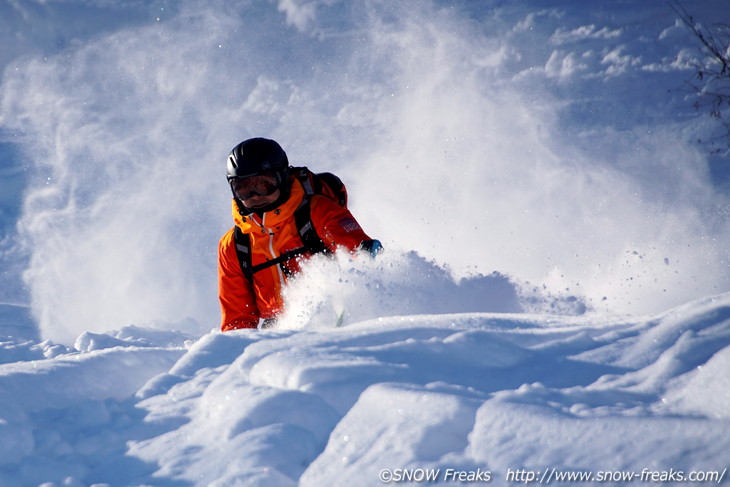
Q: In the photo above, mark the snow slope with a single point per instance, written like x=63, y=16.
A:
x=465, y=391
x=554, y=295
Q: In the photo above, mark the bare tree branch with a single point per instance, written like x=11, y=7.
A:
x=717, y=48
x=711, y=82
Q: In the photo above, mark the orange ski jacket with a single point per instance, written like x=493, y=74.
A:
x=243, y=301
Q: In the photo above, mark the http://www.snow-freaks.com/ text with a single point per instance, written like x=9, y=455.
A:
x=548, y=476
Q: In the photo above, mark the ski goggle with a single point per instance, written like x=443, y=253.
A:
x=259, y=185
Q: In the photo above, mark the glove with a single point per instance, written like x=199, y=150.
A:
x=374, y=247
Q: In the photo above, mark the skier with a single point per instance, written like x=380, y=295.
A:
x=281, y=214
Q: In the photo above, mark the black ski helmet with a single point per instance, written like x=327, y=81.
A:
x=256, y=156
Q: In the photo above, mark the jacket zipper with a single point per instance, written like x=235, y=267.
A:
x=273, y=253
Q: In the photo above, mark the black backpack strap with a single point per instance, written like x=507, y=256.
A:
x=312, y=184
x=243, y=251
x=303, y=220
x=302, y=174
x=286, y=256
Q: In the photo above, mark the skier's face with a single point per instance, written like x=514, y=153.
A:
x=257, y=201
x=256, y=191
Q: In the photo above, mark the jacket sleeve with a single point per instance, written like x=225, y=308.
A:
x=335, y=225
x=235, y=292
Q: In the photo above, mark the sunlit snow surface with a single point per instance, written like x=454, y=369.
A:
x=553, y=296
x=336, y=406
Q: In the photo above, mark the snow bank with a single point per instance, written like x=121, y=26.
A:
x=59, y=415
x=471, y=392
